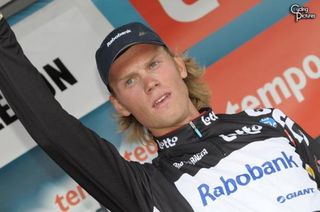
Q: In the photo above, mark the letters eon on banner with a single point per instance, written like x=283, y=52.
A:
x=60, y=76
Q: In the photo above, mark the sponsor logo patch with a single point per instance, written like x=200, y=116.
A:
x=293, y=195
x=257, y=112
x=285, y=121
x=246, y=130
x=230, y=185
x=118, y=36
x=167, y=142
x=193, y=159
x=269, y=121
x=208, y=119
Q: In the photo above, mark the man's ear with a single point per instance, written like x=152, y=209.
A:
x=181, y=66
x=121, y=109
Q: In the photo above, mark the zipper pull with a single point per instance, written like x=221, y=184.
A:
x=195, y=129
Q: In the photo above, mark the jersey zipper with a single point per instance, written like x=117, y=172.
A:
x=199, y=135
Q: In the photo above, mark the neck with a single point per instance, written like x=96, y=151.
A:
x=194, y=113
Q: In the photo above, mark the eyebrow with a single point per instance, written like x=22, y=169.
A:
x=146, y=63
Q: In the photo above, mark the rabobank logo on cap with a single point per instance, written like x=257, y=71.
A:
x=118, y=36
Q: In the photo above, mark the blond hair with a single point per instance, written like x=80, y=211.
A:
x=199, y=93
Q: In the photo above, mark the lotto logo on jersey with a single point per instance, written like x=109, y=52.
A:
x=167, y=142
x=245, y=130
x=208, y=119
x=183, y=23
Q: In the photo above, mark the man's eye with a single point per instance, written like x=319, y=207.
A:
x=154, y=64
x=130, y=82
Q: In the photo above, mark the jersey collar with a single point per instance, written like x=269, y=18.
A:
x=194, y=131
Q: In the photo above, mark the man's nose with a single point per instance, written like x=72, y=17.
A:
x=150, y=83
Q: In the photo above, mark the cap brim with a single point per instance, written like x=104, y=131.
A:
x=126, y=47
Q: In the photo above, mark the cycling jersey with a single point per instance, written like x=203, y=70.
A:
x=256, y=160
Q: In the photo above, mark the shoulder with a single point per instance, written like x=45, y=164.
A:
x=268, y=116
x=257, y=112
x=251, y=113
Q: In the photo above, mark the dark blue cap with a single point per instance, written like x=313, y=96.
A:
x=118, y=41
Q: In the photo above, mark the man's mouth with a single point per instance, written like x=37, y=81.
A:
x=161, y=100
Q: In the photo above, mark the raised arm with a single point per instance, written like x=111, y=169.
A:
x=93, y=162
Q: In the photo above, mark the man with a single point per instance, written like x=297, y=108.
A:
x=257, y=160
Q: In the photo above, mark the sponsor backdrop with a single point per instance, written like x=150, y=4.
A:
x=260, y=53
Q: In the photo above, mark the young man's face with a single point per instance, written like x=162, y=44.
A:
x=148, y=83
